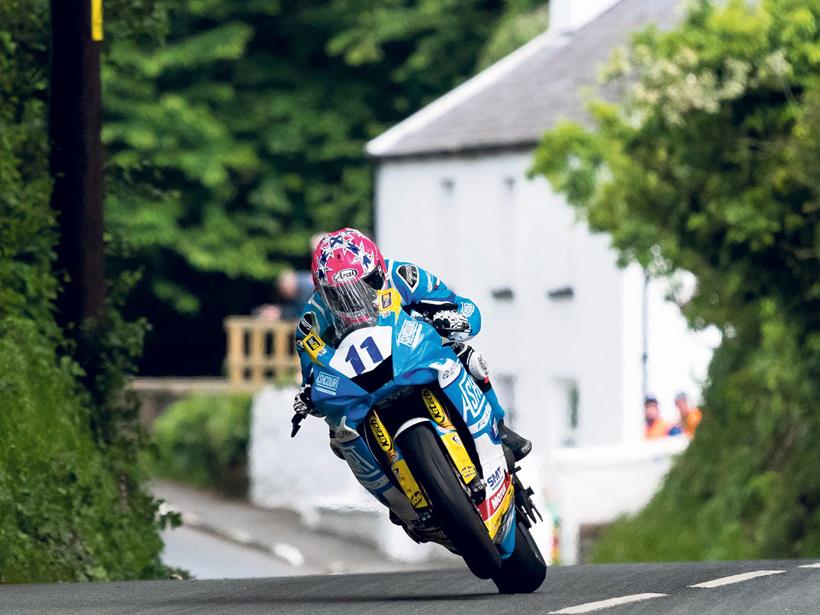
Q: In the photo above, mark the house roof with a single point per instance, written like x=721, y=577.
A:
x=512, y=103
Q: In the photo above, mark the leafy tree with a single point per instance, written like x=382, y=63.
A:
x=72, y=505
x=709, y=165
x=244, y=134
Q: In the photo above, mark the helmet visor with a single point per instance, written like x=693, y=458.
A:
x=352, y=305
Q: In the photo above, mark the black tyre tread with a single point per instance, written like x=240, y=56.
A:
x=525, y=570
x=451, y=505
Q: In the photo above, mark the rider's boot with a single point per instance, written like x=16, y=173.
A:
x=517, y=443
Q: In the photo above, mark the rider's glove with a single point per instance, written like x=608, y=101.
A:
x=303, y=404
x=451, y=324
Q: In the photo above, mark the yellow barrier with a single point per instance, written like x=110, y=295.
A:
x=260, y=351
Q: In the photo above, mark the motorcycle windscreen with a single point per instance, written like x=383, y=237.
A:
x=352, y=306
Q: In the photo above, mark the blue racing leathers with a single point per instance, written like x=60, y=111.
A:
x=426, y=294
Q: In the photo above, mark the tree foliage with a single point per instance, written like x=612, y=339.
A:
x=72, y=505
x=709, y=164
x=244, y=134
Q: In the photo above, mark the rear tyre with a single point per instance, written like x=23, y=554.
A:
x=451, y=505
x=524, y=570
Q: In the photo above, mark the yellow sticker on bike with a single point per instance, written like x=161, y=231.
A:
x=408, y=484
x=460, y=456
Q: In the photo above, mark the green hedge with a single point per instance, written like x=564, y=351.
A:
x=64, y=513
x=203, y=440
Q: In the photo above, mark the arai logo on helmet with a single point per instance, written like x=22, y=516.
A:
x=345, y=275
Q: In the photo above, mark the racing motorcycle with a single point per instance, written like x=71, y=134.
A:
x=392, y=387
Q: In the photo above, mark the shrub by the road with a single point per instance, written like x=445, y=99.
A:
x=203, y=440
x=71, y=502
x=64, y=513
x=709, y=165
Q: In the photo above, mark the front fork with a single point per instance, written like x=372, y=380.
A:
x=403, y=494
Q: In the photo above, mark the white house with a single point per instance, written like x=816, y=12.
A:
x=573, y=341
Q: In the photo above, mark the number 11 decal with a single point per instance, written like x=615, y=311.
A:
x=369, y=344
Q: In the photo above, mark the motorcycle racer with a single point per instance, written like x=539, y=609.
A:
x=348, y=269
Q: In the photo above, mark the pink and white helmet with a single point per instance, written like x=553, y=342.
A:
x=348, y=269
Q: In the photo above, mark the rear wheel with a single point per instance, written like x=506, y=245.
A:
x=451, y=505
x=525, y=569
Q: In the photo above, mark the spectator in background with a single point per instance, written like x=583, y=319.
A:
x=294, y=288
x=656, y=427
x=690, y=416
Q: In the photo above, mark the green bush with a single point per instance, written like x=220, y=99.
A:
x=203, y=440
x=757, y=498
x=708, y=164
x=71, y=502
x=64, y=513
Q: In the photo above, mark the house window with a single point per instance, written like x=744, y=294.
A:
x=448, y=187
x=570, y=419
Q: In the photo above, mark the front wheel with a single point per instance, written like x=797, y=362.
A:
x=452, y=507
x=525, y=569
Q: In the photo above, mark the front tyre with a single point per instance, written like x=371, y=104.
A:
x=524, y=570
x=451, y=505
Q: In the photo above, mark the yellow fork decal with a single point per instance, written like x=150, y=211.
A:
x=408, y=484
x=399, y=467
x=452, y=442
x=459, y=456
x=382, y=437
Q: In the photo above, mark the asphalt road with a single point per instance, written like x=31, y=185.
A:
x=767, y=588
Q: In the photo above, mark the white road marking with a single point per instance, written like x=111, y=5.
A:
x=737, y=578
x=817, y=565
x=605, y=604
x=289, y=553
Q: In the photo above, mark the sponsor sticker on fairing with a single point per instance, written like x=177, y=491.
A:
x=496, y=499
x=327, y=384
x=495, y=478
x=409, y=333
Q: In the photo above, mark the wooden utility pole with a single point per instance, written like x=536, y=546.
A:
x=77, y=158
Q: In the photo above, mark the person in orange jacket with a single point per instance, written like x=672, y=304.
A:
x=690, y=416
x=656, y=427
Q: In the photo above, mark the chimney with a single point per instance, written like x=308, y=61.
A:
x=570, y=15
